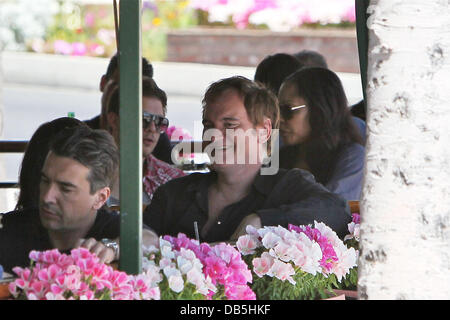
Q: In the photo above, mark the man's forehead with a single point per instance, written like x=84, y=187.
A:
x=60, y=165
x=227, y=106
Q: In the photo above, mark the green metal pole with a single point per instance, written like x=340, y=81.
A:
x=130, y=65
x=363, y=39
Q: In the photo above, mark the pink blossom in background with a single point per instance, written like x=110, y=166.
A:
x=106, y=36
x=62, y=47
x=89, y=19
x=178, y=134
x=96, y=49
x=79, y=49
x=278, y=15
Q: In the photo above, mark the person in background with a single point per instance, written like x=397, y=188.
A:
x=154, y=109
x=75, y=183
x=34, y=157
x=110, y=79
x=273, y=69
x=319, y=133
x=311, y=58
x=236, y=194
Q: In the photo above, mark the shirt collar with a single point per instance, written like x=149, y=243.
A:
x=262, y=183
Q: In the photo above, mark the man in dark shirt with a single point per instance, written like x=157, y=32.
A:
x=240, y=193
x=75, y=184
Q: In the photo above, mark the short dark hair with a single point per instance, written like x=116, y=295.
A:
x=95, y=149
x=147, y=68
x=259, y=102
x=149, y=89
x=273, y=69
x=310, y=58
x=34, y=158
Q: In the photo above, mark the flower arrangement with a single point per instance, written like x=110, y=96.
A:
x=352, y=240
x=277, y=15
x=78, y=276
x=223, y=264
x=178, y=272
x=270, y=263
x=301, y=262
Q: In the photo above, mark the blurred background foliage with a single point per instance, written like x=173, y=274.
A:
x=86, y=27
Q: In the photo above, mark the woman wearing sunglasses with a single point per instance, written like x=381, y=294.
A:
x=318, y=131
x=154, y=122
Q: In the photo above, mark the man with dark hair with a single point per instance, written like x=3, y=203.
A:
x=110, y=79
x=237, y=193
x=273, y=69
x=75, y=184
x=154, y=107
x=310, y=58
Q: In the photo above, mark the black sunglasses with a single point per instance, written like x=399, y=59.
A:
x=287, y=112
x=161, y=123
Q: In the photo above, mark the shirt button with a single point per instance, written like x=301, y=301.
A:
x=219, y=222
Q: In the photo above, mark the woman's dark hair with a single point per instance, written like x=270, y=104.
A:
x=34, y=158
x=273, y=69
x=149, y=89
x=332, y=126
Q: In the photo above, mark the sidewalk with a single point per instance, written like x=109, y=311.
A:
x=181, y=79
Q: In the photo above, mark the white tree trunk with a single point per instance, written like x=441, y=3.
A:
x=405, y=207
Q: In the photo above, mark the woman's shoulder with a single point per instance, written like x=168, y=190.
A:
x=352, y=150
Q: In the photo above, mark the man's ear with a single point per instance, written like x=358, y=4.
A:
x=266, y=131
x=101, y=196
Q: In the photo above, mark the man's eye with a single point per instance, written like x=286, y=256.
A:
x=66, y=190
x=231, y=125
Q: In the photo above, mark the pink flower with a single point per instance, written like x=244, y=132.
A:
x=89, y=19
x=270, y=240
x=79, y=49
x=240, y=292
x=281, y=251
x=262, y=265
x=62, y=47
x=282, y=271
x=247, y=244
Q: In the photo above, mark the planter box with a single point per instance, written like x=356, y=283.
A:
x=249, y=47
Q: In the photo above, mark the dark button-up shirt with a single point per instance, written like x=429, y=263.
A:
x=22, y=232
x=290, y=196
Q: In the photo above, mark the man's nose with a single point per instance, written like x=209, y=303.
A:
x=48, y=193
x=151, y=126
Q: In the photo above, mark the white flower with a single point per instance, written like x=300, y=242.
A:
x=247, y=244
x=184, y=264
x=176, y=283
x=171, y=271
x=347, y=259
x=270, y=239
